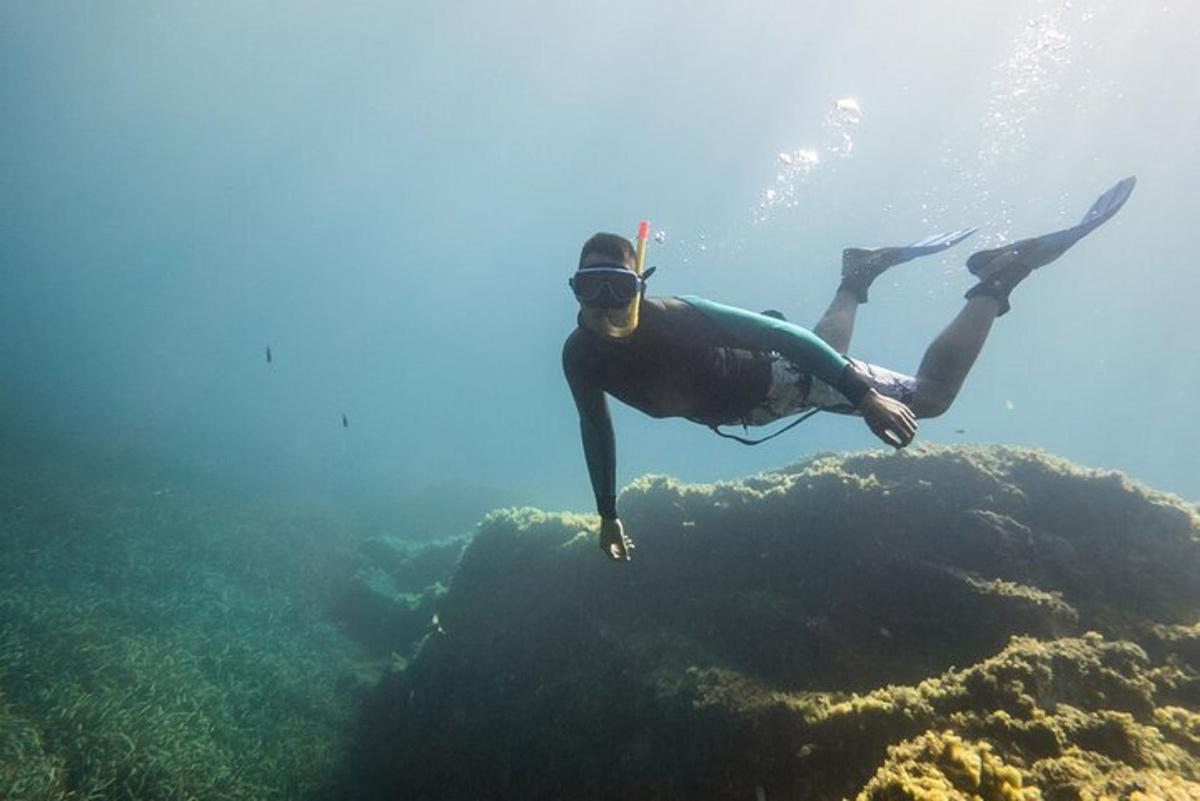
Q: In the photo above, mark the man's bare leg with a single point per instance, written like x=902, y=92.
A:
x=837, y=324
x=949, y=357
x=860, y=267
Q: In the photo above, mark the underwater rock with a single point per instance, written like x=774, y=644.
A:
x=388, y=605
x=413, y=566
x=381, y=617
x=943, y=623
x=938, y=766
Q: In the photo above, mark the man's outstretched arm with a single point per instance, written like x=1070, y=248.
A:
x=599, y=448
x=888, y=419
x=600, y=452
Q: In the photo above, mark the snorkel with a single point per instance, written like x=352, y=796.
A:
x=627, y=323
x=640, y=268
x=643, y=235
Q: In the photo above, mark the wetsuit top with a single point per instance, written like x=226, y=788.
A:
x=689, y=357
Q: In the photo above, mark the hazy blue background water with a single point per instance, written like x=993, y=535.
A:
x=392, y=195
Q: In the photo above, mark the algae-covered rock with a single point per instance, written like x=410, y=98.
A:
x=413, y=566
x=941, y=766
x=382, y=617
x=945, y=623
x=388, y=605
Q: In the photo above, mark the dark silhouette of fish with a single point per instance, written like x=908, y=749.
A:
x=268, y=354
x=960, y=431
x=345, y=422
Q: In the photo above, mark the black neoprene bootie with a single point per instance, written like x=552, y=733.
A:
x=999, y=284
x=861, y=266
x=1000, y=269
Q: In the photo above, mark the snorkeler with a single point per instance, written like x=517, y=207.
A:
x=717, y=365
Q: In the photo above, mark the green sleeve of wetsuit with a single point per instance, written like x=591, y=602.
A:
x=759, y=332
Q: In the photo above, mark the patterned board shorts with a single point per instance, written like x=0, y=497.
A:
x=793, y=391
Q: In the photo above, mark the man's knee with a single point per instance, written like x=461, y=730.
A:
x=931, y=401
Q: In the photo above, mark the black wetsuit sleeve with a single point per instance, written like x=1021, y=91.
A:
x=595, y=427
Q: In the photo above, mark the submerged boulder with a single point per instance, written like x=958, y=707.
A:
x=942, y=623
x=390, y=601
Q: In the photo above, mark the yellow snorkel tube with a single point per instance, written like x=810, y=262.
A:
x=643, y=235
x=629, y=324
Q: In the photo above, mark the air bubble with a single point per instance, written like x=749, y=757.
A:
x=847, y=111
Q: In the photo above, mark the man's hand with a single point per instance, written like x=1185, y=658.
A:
x=613, y=542
x=888, y=419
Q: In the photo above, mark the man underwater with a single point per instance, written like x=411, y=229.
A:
x=715, y=364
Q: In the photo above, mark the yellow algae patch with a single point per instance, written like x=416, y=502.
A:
x=1080, y=775
x=941, y=766
x=1182, y=725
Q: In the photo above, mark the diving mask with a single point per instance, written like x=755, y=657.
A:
x=606, y=286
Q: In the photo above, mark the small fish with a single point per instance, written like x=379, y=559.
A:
x=960, y=431
x=345, y=422
x=268, y=354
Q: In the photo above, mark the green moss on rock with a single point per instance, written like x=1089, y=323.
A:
x=987, y=622
x=941, y=766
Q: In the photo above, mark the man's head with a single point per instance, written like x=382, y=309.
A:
x=607, y=249
x=607, y=285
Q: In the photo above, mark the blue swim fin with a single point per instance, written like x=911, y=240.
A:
x=1041, y=250
x=1001, y=269
x=861, y=266
x=931, y=244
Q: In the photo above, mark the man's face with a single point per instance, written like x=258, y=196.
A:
x=616, y=323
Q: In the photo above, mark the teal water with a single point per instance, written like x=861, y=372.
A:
x=228, y=577
x=392, y=196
